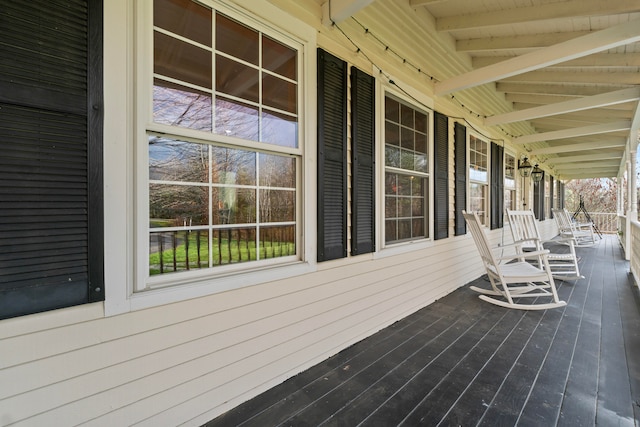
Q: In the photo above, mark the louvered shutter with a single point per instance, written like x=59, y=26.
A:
x=497, y=186
x=362, y=162
x=460, y=158
x=332, y=157
x=51, y=226
x=441, y=175
x=560, y=195
x=538, y=199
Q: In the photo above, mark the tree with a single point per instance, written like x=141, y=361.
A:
x=598, y=194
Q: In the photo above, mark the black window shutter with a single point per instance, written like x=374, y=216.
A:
x=560, y=195
x=362, y=162
x=441, y=175
x=460, y=158
x=497, y=186
x=538, y=199
x=51, y=207
x=332, y=157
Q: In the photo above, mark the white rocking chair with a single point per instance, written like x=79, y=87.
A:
x=582, y=233
x=504, y=271
x=524, y=227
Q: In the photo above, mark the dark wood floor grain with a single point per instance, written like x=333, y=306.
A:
x=464, y=362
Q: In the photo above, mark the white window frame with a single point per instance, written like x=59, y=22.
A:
x=419, y=102
x=511, y=188
x=487, y=196
x=135, y=47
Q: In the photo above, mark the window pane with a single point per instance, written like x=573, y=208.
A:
x=236, y=39
x=406, y=118
x=174, y=160
x=392, y=110
x=277, y=241
x=421, y=143
x=392, y=134
x=180, y=60
x=277, y=171
x=177, y=105
x=277, y=206
x=406, y=138
x=233, y=205
x=422, y=123
x=236, y=79
x=279, y=58
x=279, y=93
x=172, y=251
x=185, y=18
x=237, y=119
x=178, y=205
x=279, y=129
x=233, y=167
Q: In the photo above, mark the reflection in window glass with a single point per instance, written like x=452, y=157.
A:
x=206, y=202
x=255, y=90
x=217, y=196
x=478, y=176
x=406, y=172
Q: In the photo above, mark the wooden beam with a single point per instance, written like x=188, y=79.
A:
x=416, y=3
x=621, y=34
x=514, y=43
x=598, y=60
x=556, y=88
x=609, y=164
x=584, y=158
x=595, y=101
x=563, y=76
x=585, y=175
x=577, y=147
x=571, y=133
x=539, y=12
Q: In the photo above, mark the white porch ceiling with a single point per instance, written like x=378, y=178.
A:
x=569, y=69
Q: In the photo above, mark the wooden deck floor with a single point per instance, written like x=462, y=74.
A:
x=464, y=362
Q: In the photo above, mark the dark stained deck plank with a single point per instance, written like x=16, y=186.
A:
x=462, y=361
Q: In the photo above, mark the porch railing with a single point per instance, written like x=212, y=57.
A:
x=606, y=222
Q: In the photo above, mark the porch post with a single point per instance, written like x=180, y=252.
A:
x=632, y=203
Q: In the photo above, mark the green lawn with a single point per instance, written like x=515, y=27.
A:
x=225, y=251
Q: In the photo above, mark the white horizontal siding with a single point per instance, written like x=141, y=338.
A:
x=189, y=361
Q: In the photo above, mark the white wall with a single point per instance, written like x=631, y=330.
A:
x=190, y=360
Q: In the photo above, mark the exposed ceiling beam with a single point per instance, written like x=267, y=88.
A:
x=538, y=12
x=621, y=34
x=556, y=88
x=339, y=10
x=562, y=76
x=595, y=101
x=528, y=42
x=577, y=147
x=574, y=132
x=606, y=174
x=602, y=60
x=609, y=164
x=584, y=158
x=416, y=3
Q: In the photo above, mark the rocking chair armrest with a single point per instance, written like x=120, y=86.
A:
x=517, y=243
x=525, y=255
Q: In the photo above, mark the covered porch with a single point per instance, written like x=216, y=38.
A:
x=461, y=361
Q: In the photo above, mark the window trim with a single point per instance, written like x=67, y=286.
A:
x=420, y=102
x=487, y=199
x=126, y=48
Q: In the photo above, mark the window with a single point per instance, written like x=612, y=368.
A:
x=478, y=177
x=223, y=144
x=406, y=172
x=547, y=196
x=509, y=182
